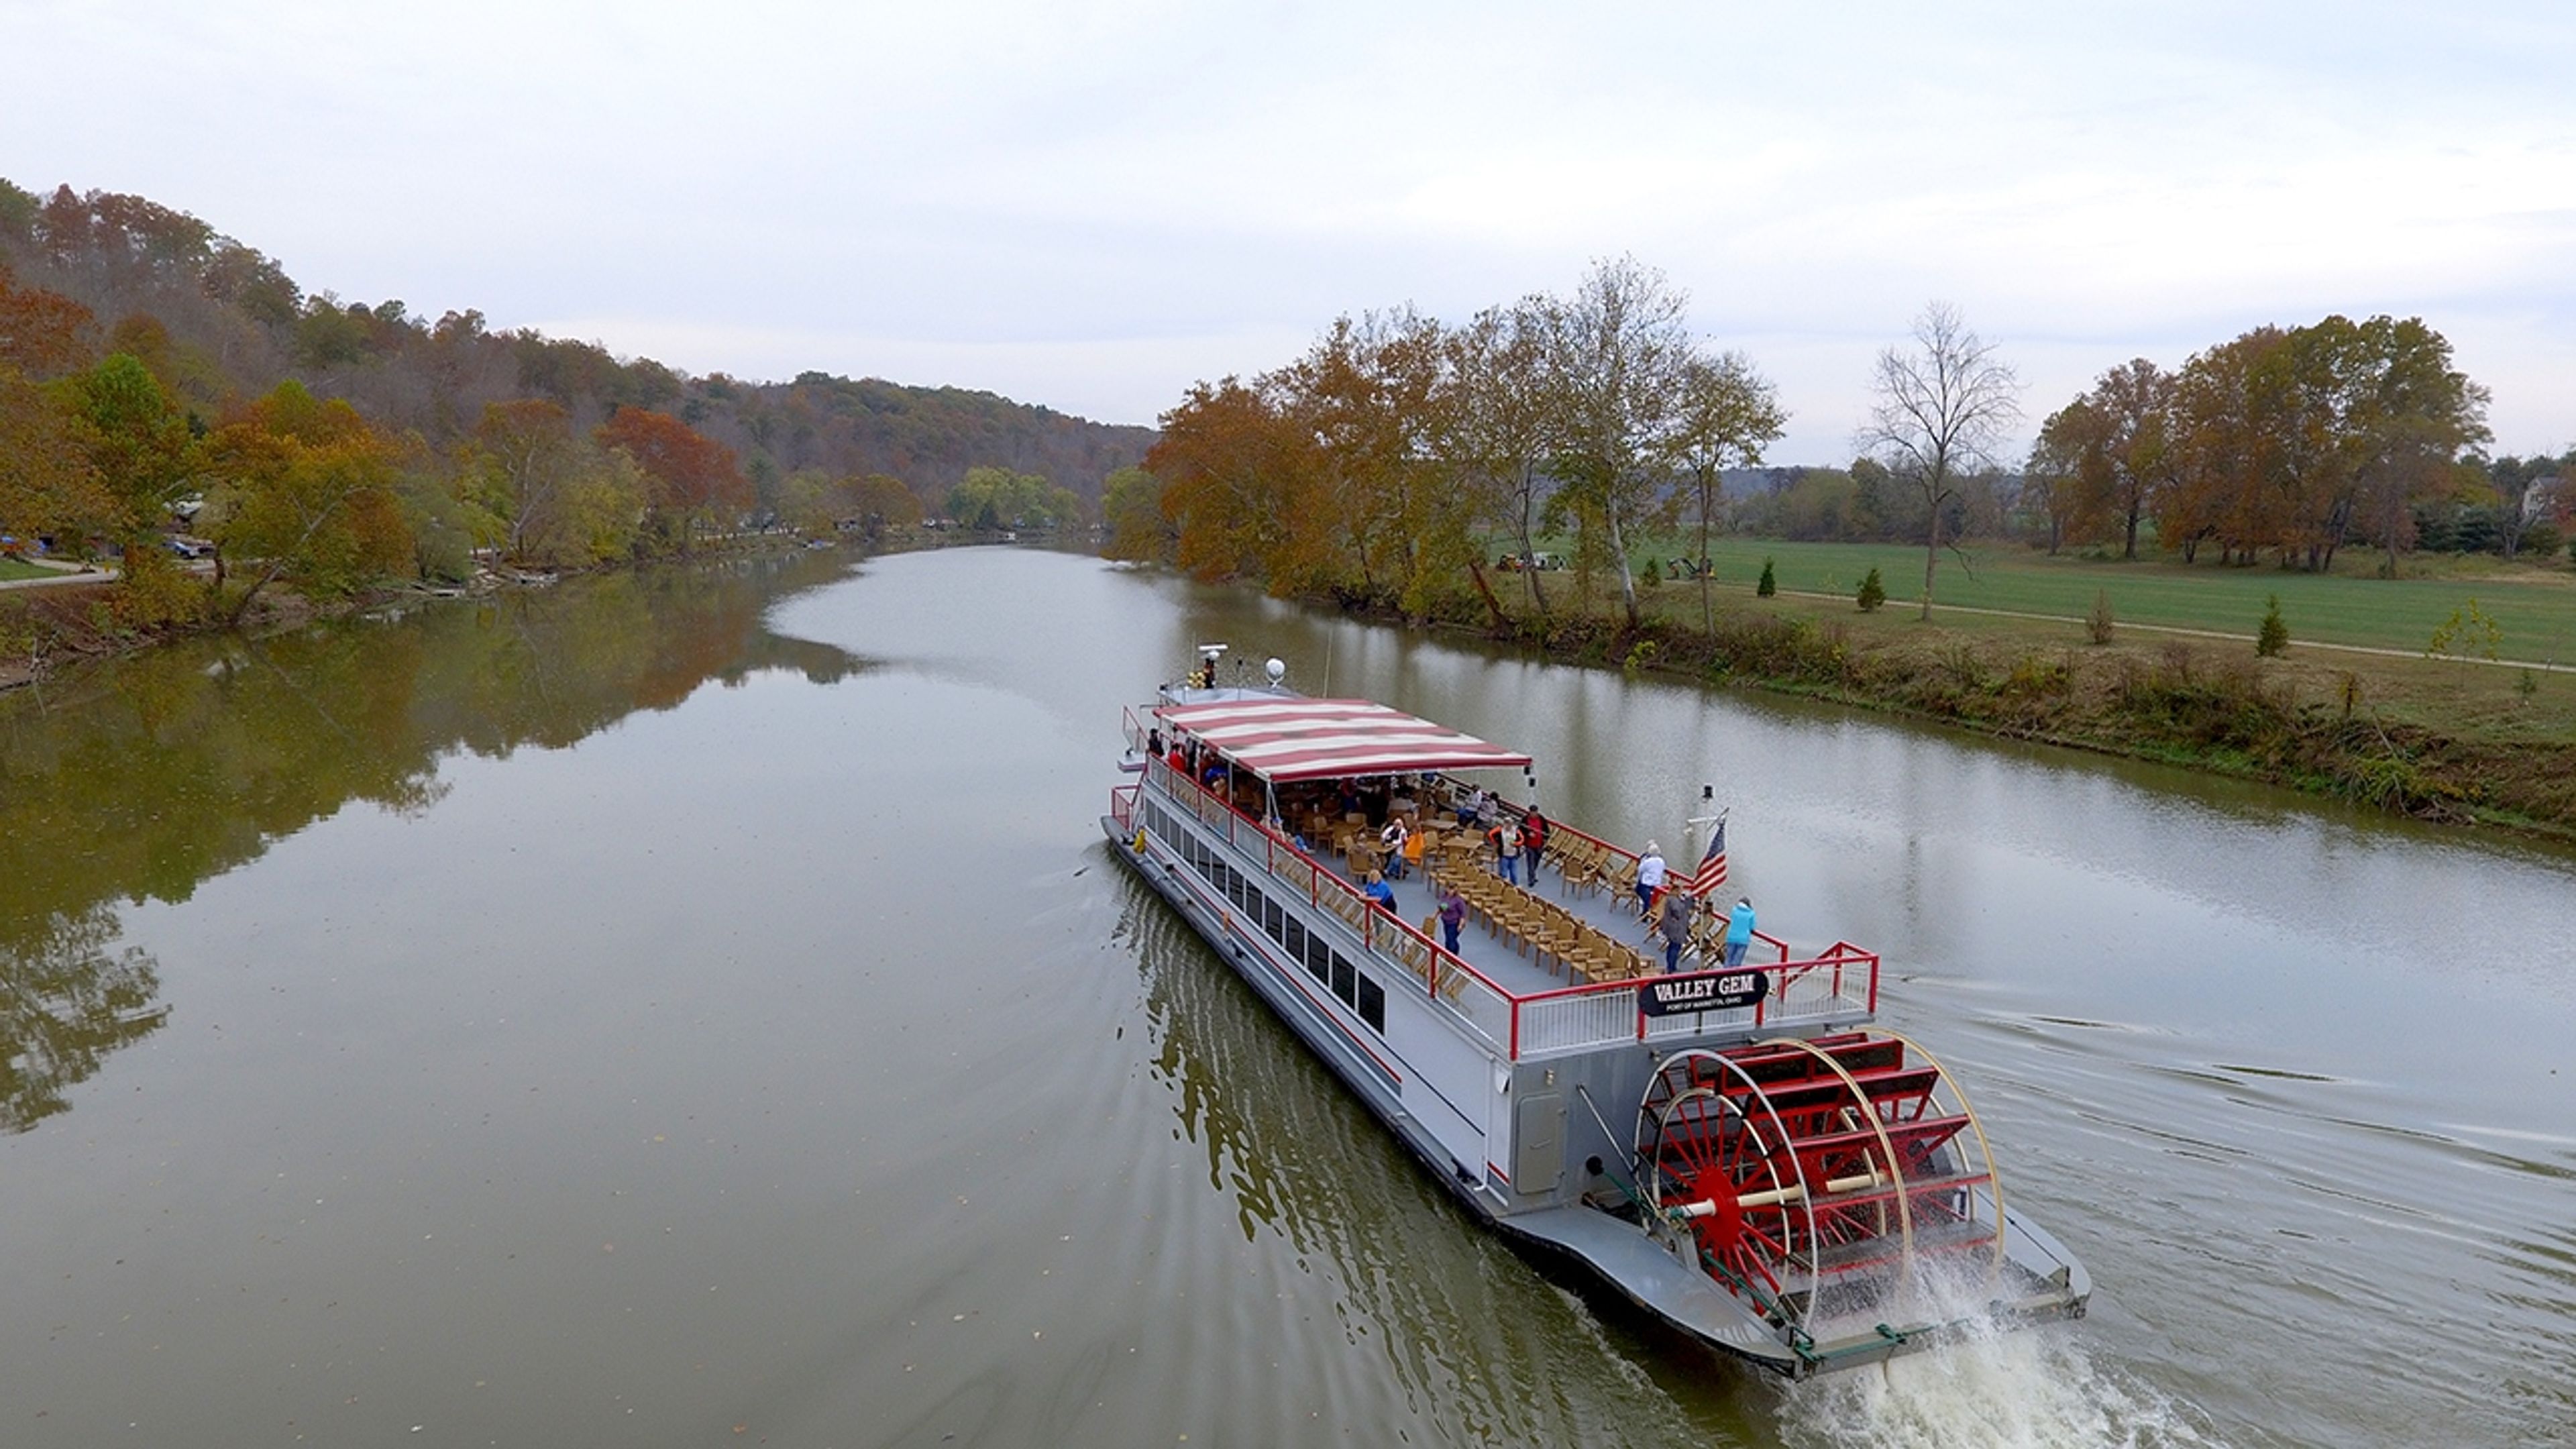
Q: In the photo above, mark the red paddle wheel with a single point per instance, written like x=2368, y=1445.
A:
x=1813, y=1178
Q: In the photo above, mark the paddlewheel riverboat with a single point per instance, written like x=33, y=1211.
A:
x=1738, y=1150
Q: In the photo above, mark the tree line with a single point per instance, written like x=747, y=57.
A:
x=1377, y=464
x=2282, y=443
x=444, y=435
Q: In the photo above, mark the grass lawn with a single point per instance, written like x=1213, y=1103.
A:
x=2534, y=604
x=11, y=569
x=2469, y=700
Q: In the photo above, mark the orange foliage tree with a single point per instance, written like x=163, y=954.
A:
x=694, y=477
x=41, y=333
x=48, y=481
x=308, y=489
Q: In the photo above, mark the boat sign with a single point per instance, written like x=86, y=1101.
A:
x=1712, y=991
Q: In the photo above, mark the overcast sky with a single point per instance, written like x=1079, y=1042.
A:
x=1091, y=205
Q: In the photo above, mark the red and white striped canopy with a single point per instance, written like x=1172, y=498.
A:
x=1314, y=739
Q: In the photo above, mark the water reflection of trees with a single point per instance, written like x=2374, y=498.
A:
x=1469, y=1330
x=141, y=777
x=67, y=999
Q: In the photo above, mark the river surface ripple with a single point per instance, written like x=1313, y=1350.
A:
x=699, y=1009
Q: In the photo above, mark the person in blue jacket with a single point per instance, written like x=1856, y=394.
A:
x=1379, y=891
x=1739, y=931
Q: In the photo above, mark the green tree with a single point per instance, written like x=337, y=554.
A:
x=1617, y=358
x=2273, y=639
x=998, y=498
x=306, y=488
x=138, y=441
x=1131, y=503
x=1873, y=592
x=1726, y=414
x=1769, y=585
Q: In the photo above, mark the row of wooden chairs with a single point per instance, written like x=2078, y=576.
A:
x=1542, y=929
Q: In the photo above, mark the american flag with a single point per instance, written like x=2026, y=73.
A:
x=1712, y=866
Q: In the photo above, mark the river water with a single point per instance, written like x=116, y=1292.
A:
x=698, y=1009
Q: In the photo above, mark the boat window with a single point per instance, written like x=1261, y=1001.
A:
x=1274, y=920
x=1319, y=957
x=1295, y=938
x=1344, y=980
x=1373, y=1005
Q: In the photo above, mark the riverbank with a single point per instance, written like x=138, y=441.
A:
x=2442, y=739
x=46, y=629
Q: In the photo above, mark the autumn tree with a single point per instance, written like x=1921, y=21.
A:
x=41, y=333
x=307, y=489
x=1941, y=408
x=2128, y=453
x=2410, y=415
x=1240, y=487
x=49, y=479
x=1367, y=393
x=883, y=501
x=692, y=478
x=2053, y=478
x=1724, y=415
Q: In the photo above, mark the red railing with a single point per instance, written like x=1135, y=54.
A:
x=1559, y=1019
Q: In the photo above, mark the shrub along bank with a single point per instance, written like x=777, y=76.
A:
x=2438, y=739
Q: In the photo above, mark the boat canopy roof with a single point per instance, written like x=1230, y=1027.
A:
x=1315, y=739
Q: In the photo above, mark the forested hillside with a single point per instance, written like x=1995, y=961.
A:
x=220, y=323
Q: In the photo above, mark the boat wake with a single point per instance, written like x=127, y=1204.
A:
x=1989, y=1388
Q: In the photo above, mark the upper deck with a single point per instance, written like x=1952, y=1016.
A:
x=1538, y=972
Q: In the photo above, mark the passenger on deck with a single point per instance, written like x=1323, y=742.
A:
x=1507, y=852
x=1453, y=914
x=1650, y=878
x=1392, y=838
x=1379, y=891
x=1739, y=931
x=1154, y=742
x=1676, y=928
x=1533, y=840
x=1471, y=811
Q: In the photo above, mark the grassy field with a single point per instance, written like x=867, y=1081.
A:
x=2534, y=604
x=11, y=568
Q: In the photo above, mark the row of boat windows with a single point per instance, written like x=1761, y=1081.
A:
x=1329, y=967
